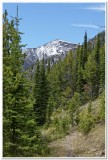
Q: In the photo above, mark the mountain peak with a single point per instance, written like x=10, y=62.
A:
x=59, y=41
x=56, y=49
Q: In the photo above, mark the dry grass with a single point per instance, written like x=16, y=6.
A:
x=78, y=145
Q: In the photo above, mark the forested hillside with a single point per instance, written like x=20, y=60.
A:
x=52, y=100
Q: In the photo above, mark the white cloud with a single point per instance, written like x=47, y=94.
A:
x=100, y=8
x=86, y=26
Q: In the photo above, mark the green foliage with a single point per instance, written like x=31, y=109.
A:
x=79, y=82
x=90, y=74
x=94, y=72
x=48, y=67
x=102, y=107
x=49, y=110
x=36, y=92
x=74, y=108
x=97, y=60
x=102, y=67
x=61, y=125
x=86, y=120
x=67, y=93
x=76, y=64
x=21, y=137
x=14, y=99
x=41, y=94
x=86, y=94
x=71, y=82
x=85, y=51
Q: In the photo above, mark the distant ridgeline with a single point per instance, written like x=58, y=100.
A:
x=54, y=50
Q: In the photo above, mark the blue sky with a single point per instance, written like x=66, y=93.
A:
x=44, y=22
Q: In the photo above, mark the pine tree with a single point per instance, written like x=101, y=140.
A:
x=48, y=67
x=70, y=81
x=102, y=107
x=44, y=92
x=6, y=37
x=96, y=69
x=89, y=74
x=79, y=82
x=20, y=133
x=37, y=93
x=75, y=68
x=97, y=60
x=74, y=108
x=78, y=72
x=41, y=93
x=14, y=98
x=86, y=120
x=49, y=110
x=85, y=50
x=102, y=67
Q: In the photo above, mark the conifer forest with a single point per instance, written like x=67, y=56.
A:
x=54, y=102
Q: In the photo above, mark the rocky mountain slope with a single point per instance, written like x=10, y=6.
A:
x=92, y=41
x=54, y=50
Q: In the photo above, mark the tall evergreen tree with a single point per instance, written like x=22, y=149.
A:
x=75, y=67
x=97, y=60
x=74, y=108
x=90, y=74
x=41, y=93
x=80, y=80
x=85, y=54
x=44, y=92
x=37, y=93
x=102, y=67
x=48, y=67
x=70, y=60
x=19, y=139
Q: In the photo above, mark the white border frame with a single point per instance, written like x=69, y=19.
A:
x=106, y=77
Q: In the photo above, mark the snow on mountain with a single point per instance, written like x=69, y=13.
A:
x=55, y=49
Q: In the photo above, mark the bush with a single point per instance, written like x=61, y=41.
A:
x=64, y=126
x=86, y=120
x=74, y=108
x=61, y=125
x=102, y=107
